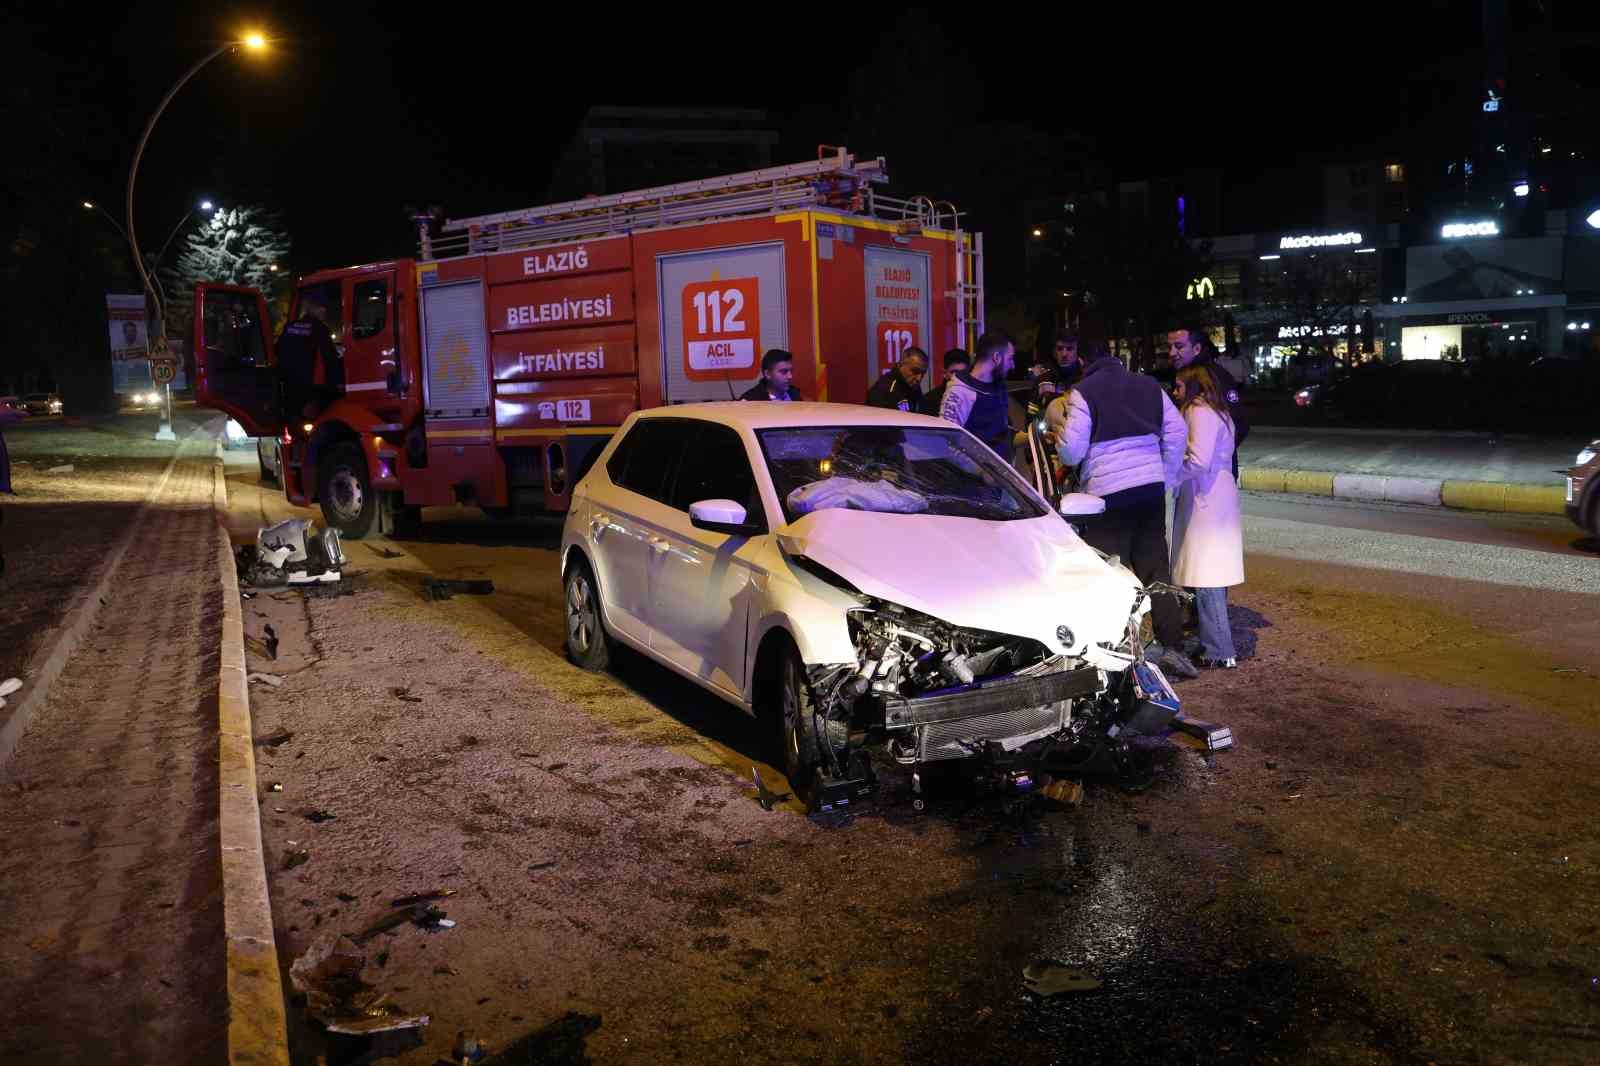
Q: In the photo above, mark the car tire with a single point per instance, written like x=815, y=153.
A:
x=344, y=489
x=793, y=725
x=588, y=645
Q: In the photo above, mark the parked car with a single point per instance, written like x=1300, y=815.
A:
x=269, y=453
x=1583, y=489
x=851, y=574
x=42, y=403
x=144, y=399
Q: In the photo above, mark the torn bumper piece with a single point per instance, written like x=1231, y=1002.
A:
x=291, y=553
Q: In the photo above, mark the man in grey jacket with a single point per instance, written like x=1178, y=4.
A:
x=1127, y=440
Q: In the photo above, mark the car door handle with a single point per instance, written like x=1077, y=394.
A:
x=659, y=545
x=598, y=525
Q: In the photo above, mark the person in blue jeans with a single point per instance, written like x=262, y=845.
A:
x=1207, y=532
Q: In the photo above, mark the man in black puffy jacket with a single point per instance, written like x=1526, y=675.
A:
x=900, y=389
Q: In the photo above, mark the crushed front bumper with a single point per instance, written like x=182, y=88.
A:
x=1012, y=712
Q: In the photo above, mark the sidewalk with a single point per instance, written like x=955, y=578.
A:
x=1467, y=471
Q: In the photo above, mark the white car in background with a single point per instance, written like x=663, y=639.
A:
x=855, y=575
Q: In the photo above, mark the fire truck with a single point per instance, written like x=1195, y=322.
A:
x=491, y=369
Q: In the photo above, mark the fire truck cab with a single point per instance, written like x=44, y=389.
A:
x=492, y=368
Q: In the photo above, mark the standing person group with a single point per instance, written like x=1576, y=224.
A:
x=1130, y=443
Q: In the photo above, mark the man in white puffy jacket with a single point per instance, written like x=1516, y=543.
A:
x=1127, y=440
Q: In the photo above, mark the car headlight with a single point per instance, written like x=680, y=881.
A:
x=1588, y=454
x=235, y=431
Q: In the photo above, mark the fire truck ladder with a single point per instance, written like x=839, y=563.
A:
x=837, y=181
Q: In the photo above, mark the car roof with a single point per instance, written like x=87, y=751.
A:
x=757, y=414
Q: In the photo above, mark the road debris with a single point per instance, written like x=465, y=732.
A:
x=467, y=1049
x=266, y=647
x=276, y=786
x=9, y=685
x=319, y=817
x=1061, y=790
x=272, y=680
x=423, y=897
x=439, y=588
x=765, y=796
x=329, y=976
x=385, y=553
x=65, y=468
x=541, y=866
x=404, y=694
x=290, y=553
x=296, y=857
x=275, y=739
x=1048, y=978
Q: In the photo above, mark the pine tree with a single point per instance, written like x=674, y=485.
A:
x=240, y=246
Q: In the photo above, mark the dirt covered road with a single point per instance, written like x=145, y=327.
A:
x=1396, y=864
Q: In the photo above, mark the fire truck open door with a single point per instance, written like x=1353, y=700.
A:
x=234, y=367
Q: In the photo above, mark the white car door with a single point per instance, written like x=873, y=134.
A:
x=704, y=587
x=625, y=520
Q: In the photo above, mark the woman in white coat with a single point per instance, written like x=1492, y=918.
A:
x=1207, y=534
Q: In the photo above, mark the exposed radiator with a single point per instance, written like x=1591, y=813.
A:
x=962, y=738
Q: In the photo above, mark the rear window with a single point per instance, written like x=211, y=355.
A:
x=648, y=456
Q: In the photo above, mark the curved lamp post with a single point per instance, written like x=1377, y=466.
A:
x=254, y=42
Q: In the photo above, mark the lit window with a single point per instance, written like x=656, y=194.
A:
x=1394, y=172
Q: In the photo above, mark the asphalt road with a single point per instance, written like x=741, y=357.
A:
x=1395, y=864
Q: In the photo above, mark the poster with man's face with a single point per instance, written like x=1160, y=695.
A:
x=127, y=326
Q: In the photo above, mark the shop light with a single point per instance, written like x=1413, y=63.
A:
x=1520, y=189
x=1486, y=228
x=1364, y=251
x=1280, y=257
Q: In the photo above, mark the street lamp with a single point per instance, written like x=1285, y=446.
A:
x=253, y=41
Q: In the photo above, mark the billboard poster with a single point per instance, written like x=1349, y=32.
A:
x=127, y=326
x=1479, y=269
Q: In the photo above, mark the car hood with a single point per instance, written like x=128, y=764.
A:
x=1024, y=578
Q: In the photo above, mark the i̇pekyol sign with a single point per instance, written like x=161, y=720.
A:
x=1318, y=240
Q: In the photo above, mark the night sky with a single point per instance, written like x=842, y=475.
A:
x=360, y=110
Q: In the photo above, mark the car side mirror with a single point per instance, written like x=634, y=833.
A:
x=722, y=516
x=1081, y=505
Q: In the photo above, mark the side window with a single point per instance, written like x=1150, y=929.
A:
x=715, y=467
x=370, y=313
x=232, y=331
x=649, y=457
x=330, y=295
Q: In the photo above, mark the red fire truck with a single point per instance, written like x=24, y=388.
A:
x=492, y=368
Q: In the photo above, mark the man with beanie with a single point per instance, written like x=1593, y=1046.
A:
x=1128, y=441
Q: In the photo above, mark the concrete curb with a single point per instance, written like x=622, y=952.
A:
x=48, y=662
x=257, y=1021
x=1428, y=492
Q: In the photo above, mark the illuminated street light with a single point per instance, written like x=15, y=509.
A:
x=1038, y=232
x=255, y=42
x=1520, y=189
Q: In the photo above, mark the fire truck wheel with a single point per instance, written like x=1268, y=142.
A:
x=348, y=502
x=587, y=642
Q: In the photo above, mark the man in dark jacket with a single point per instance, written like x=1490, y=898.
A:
x=901, y=388
x=309, y=363
x=1051, y=379
x=977, y=399
x=777, y=373
x=955, y=361
x=1190, y=346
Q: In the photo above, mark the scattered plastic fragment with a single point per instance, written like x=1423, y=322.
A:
x=1048, y=978
x=329, y=975
x=266, y=679
x=438, y=588
x=386, y=553
x=320, y=816
x=9, y=685
x=65, y=468
x=404, y=694
x=275, y=739
x=297, y=857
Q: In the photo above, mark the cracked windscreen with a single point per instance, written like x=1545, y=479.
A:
x=892, y=470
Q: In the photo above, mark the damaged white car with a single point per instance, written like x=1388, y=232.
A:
x=856, y=576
